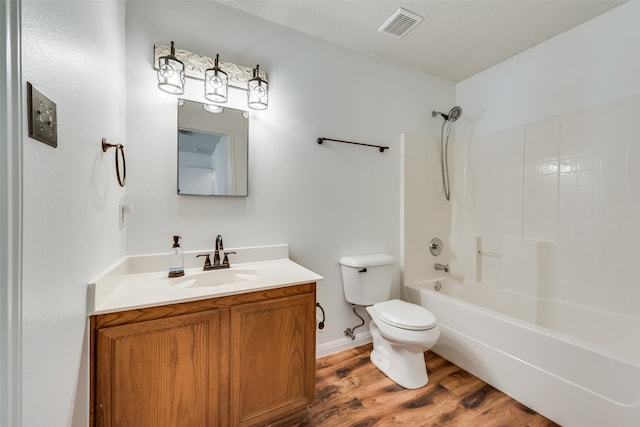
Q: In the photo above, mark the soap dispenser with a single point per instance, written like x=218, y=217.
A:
x=176, y=259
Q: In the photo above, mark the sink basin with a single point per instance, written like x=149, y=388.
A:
x=215, y=278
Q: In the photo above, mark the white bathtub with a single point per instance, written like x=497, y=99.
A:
x=566, y=379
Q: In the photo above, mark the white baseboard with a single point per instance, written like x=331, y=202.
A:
x=343, y=344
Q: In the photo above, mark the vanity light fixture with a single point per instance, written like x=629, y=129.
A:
x=213, y=108
x=216, y=83
x=174, y=65
x=258, y=91
x=171, y=73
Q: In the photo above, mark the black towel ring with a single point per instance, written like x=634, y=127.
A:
x=119, y=149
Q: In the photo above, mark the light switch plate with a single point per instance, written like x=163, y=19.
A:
x=43, y=117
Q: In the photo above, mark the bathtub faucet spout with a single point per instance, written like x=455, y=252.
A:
x=441, y=267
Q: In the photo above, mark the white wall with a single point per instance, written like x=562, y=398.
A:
x=73, y=51
x=592, y=64
x=326, y=201
x=549, y=151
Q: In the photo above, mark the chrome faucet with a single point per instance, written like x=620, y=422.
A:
x=441, y=267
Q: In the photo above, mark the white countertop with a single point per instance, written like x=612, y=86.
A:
x=126, y=288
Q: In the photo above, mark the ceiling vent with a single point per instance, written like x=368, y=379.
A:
x=400, y=23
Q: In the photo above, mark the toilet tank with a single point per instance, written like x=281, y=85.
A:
x=366, y=279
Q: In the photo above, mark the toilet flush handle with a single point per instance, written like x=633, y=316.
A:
x=364, y=270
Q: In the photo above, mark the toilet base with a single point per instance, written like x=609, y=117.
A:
x=405, y=367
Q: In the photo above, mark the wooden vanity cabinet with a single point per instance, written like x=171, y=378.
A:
x=240, y=360
x=159, y=372
x=272, y=370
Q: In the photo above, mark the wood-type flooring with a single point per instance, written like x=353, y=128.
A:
x=351, y=391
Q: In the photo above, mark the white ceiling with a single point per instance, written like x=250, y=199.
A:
x=457, y=39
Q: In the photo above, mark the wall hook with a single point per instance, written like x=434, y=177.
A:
x=119, y=150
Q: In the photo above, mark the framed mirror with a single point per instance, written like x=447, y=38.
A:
x=213, y=150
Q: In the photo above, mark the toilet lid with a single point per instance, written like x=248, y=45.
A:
x=405, y=315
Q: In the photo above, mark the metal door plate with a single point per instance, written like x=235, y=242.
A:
x=43, y=117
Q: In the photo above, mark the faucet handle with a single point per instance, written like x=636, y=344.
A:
x=207, y=261
x=225, y=260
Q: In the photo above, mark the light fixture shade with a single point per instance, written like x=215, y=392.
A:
x=213, y=108
x=171, y=73
x=216, y=83
x=257, y=91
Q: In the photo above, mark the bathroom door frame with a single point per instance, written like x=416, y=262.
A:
x=10, y=213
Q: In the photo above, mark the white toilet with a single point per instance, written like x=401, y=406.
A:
x=401, y=331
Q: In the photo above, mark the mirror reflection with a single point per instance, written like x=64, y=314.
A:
x=212, y=150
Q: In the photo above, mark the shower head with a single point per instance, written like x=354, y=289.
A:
x=454, y=114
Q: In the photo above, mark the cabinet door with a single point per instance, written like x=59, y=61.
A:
x=272, y=359
x=159, y=372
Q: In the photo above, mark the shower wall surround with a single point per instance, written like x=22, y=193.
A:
x=549, y=150
x=573, y=181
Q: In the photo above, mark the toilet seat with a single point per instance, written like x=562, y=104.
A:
x=405, y=315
